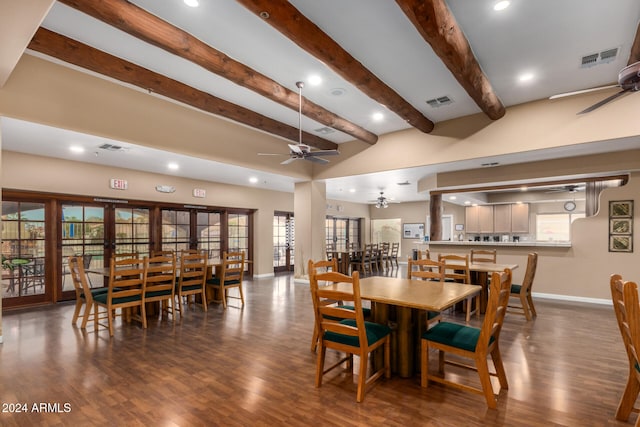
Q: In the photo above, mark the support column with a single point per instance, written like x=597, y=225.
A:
x=435, y=214
x=309, y=210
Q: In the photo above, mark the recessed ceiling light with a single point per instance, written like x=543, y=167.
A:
x=314, y=80
x=452, y=197
x=523, y=188
x=467, y=202
x=352, y=190
x=377, y=116
x=501, y=5
x=173, y=166
x=526, y=77
x=253, y=180
x=76, y=149
x=337, y=91
x=192, y=3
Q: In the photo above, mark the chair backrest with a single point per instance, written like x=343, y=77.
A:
x=623, y=312
x=125, y=278
x=159, y=274
x=456, y=267
x=193, y=270
x=162, y=253
x=232, y=266
x=427, y=269
x=530, y=273
x=384, y=249
x=632, y=325
x=424, y=254
x=324, y=265
x=368, y=251
x=484, y=255
x=86, y=261
x=496, y=308
x=123, y=255
x=79, y=278
x=395, y=247
x=328, y=316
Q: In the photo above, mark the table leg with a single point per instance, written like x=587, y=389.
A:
x=482, y=278
x=381, y=316
x=405, y=342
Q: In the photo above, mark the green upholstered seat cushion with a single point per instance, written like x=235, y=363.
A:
x=157, y=293
x=449, y=279
x=375, y=332
x=454, y=335
x=102, y=298
x=191, y=288
x=515, y=289
x=216, y=281
x=98, y=291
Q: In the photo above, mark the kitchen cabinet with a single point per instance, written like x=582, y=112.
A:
x=479, y=219
x=502, y=219
x=520, y=218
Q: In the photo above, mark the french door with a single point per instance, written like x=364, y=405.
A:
x=283, y=241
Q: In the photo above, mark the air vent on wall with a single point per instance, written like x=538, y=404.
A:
x=324, y=130
x=112, y=147
x=603, y=57
x=439, y=102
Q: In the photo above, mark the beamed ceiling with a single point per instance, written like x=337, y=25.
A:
x=241, y=59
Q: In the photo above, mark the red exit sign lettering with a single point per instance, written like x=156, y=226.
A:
x=118, y=184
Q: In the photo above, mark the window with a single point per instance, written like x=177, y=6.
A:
x=555, y=227
x=208, y=231
x=342, y=232
x=132, y=230
x=239, y=233
x=175, y=230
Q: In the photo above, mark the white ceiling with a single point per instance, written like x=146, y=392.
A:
x=544, y=37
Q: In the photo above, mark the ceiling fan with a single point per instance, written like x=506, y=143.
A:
x=301, y=151
x=628, y=81
x=570, y=188
x=381, y=201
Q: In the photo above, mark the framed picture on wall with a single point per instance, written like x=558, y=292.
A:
x=413, y=231
x=621, y=209
x=621, y=243
x=621, y=226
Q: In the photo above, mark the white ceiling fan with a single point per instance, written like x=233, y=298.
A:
x=628, y=81
x=301, y=151
x=570, y=188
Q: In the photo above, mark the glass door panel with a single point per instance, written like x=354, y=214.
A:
x=283, y=243
x=208, y=233
x=132, y=230
x=176, y=230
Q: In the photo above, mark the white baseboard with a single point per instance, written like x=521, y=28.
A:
x=573, y=298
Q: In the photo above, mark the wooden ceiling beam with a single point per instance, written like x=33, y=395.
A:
x=284, y=17
x=634, y=56
x=437, y=25
x=139, y=23
x=76, y=53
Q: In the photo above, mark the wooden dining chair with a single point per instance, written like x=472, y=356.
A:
x=191, y=281
x=385, y=256
x=231, y=276
x=321, y=267
x=345, y=330
x=484, y=255
x=159, y=282
x=456, y=269
x=433, y=271
x=393, y=256
x=84, y=292
x=364, y=260
x=523, y=291
x=471, y=343
x=624, y=296
x=161, y=252
x=125, y=292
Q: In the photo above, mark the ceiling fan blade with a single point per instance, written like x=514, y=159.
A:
x=271, y=154
x=604, y=101
x=295, y=148
x=316, y=159
x=323, y=153
x=290, y=160
x=578, y=92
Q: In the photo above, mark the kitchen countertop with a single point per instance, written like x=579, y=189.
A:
x=533, y=243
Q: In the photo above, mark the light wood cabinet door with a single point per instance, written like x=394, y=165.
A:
x=502, y=219
x=485, y=219
x=472, y=225
x=520, y=218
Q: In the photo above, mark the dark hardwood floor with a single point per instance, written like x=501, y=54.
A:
x=253, y=366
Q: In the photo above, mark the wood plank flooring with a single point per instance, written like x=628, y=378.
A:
x=253, y=367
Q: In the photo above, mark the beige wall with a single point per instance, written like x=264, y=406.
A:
x=34, y=173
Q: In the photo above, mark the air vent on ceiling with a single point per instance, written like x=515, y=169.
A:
x=324, y=130
x=603, y=57
x=112, y=147
x=439, y=102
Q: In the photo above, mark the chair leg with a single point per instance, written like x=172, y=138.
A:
x=531, y=306
x=86, y=315
x=424, y=363
x=525, y=307
x=223, y=294
x=314, y=338
x=483, y=372
x=500, y=372
x=362, y=377
x=241, y=294
x=320, y=365
x=76, y=312
x=629, y=397
x=96, y=310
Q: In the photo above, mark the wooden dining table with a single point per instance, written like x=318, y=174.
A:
x=480, y=273
x=401, y=301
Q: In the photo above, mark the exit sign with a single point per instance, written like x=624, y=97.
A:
x=118, y=184
x=199, y=192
